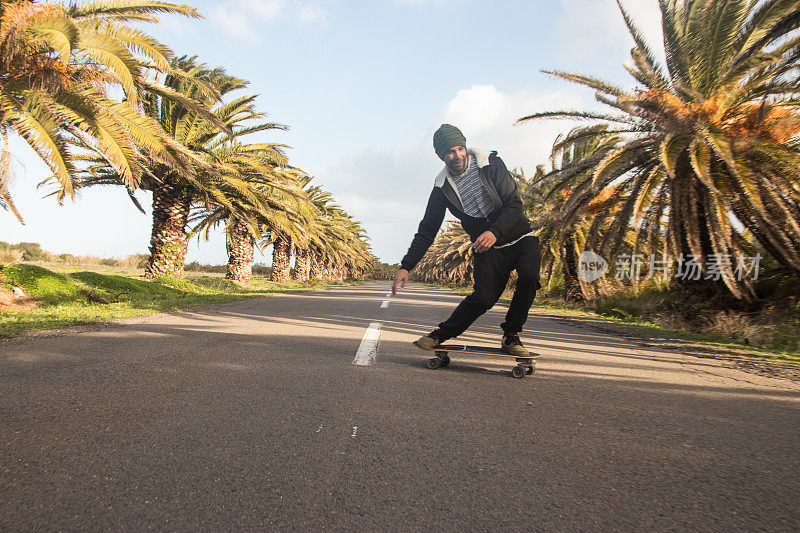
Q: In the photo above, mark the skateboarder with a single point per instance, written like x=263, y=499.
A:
x=478, y=189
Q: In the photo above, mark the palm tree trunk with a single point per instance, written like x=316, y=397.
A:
x=692, y=235
x=281, y=256
x=325, y=269
x=171, y=207
x=240, y=253
x=302, y=264
x=333, y=271
x=317, y=266
x=573, y=291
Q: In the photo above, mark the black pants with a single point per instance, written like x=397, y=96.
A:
x=491, y=272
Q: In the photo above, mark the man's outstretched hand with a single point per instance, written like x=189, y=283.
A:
x=400, y=279
x=484, y=242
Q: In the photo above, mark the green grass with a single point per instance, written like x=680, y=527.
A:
x=48, y=287
x=87, y=296
x=658, y=335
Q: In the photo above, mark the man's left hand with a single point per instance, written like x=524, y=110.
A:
x=484, y=242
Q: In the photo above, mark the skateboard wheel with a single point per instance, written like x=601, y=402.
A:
x=530, y=370
x=518, y=372
x=443, y=358
x=434, y=363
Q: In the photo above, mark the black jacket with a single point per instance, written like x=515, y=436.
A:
x=507, y=220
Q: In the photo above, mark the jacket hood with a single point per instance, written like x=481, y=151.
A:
x=481, y=157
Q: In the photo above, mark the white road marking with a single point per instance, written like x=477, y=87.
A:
x=355, y=429
x=368, y=349
x=388, y=294
x=385, y=304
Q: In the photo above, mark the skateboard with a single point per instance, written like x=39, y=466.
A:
x=525, y=365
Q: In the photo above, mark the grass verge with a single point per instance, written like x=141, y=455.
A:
x=89, y=297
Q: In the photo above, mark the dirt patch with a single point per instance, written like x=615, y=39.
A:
x=15, y=300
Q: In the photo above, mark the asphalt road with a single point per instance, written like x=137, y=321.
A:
x=252, y=415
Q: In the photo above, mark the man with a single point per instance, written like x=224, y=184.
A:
x=478, y=189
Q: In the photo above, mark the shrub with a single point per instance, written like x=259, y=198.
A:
x=10, y=256
x=194, y=266
x=31, y=251
x=260, y=269
x=135, y=261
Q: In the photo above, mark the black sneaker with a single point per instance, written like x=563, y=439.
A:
x=513, y=346
x=431, y=340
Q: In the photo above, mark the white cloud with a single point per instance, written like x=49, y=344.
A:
x=244, y=19
x=312, y=14
x=234, y=22
x=265, y=9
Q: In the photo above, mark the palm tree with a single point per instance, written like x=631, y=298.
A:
x=285, y=204
x=291, y=222
x=319, y=199
x=327, y=242
x=709, y=143
x=346, y=250
x=358, y=257
x=243, y=213
x=282, y=247
x=449, y=259
x=173, y=193
x=332, y=237
x=240, y=244
x=324, y=231
x=58, y=66
x=341, y=249
x=564, y=233
x=302, y=264
x=207, y=127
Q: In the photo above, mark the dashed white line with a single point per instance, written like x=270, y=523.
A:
x=368, y=349
x=385, y=304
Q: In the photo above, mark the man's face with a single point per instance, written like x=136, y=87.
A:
x=456, y=160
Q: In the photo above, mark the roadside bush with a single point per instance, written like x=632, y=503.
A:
x=260, y=269
x=132, y=262
x=195, y=266
x=31, y=251
x=10, y=256
x=774, y=325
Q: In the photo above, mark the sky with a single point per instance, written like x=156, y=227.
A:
x=363, y=85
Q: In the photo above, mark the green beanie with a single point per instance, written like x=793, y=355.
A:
x=446, y=137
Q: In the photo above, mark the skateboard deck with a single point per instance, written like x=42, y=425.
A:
x=525, y=365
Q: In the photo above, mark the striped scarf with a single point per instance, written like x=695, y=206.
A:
x=474, y=197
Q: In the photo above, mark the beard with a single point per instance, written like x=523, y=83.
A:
x=458, y=166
